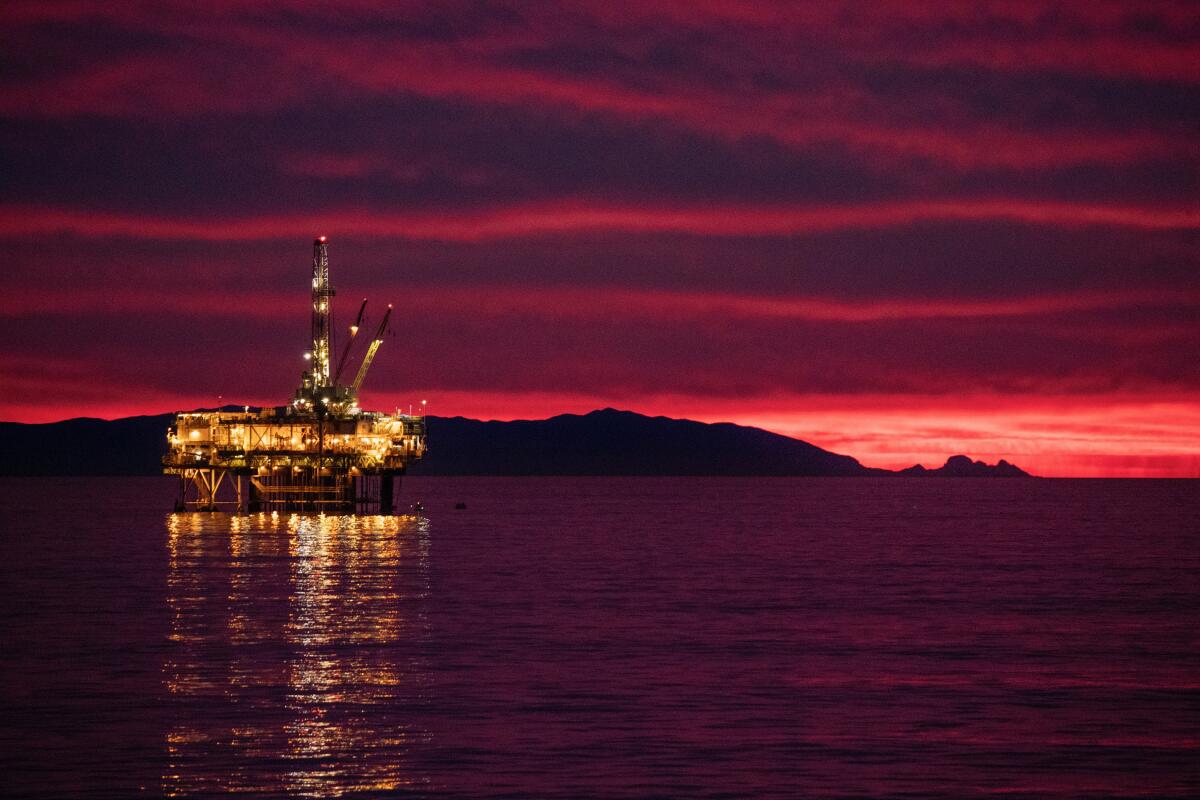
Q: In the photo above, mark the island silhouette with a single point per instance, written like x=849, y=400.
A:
x=603, y=442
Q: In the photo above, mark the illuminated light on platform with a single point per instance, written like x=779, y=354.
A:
x=296, y=457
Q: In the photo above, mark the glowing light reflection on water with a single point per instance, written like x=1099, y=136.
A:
x=297, y=652
x=624, y=638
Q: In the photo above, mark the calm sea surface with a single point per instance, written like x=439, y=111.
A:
x=607, y=638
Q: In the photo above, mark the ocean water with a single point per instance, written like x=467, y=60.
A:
x=569, y=638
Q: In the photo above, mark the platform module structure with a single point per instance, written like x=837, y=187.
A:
x=319, y=453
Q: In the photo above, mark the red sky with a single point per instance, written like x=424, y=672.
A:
x=896, y=230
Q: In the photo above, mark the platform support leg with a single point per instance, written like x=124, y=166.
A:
x=386, y=493
x=254, y=503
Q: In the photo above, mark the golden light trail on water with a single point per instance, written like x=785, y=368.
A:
x=303, y=617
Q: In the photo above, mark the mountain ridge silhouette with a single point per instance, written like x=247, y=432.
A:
x=602, y=442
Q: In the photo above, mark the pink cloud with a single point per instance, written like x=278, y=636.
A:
x=576, y=215
x=278, y=67
x=597, y=302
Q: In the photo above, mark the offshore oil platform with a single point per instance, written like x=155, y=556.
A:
x=319, y=453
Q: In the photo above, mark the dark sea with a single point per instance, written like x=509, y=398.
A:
x=576, y=638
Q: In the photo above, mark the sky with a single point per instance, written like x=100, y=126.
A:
x=896, y=230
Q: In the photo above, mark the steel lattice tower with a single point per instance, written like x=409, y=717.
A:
x=322, y=295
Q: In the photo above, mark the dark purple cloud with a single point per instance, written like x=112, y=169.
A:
x=712, y=208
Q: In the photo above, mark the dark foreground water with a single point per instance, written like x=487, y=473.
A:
x=607, y=638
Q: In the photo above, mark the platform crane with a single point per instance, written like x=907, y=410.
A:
x=371, y=351
x=337, y=376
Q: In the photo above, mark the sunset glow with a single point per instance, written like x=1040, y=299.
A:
x=896, y=231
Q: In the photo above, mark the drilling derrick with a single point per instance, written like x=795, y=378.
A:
x=320, y=453
x=315, y=383
x=322, y=302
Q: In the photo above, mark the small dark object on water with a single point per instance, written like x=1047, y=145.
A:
x=460, y=506
x=416, y=507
